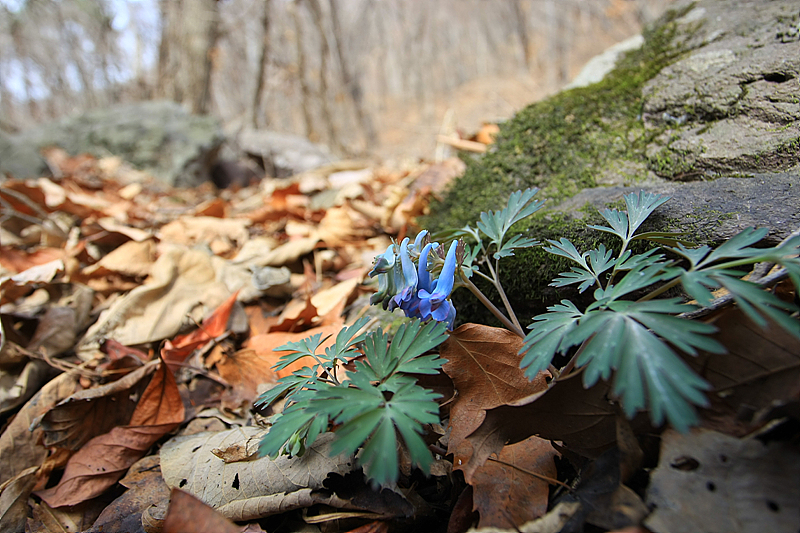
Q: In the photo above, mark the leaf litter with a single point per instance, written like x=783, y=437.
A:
x=149, y=314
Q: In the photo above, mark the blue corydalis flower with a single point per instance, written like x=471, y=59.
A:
x=411, y=288
x=433, y=302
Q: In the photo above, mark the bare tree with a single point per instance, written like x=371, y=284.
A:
x=263, y=59
x=189, y=35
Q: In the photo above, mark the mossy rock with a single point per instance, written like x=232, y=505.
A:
x=702, y=99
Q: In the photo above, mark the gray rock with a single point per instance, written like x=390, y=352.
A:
x=159, y=137
x=713, y=211
x=18, y=158
x=731, y=103
x=283, y=154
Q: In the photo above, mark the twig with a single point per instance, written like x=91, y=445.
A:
x=550, y=480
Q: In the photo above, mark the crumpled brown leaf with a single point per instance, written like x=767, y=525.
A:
x=181, y=282
x=187, y=513
x=91, y=412
x=507, y=492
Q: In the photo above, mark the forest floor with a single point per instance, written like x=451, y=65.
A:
x=139, y=324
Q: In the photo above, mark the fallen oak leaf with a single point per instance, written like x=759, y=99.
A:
x=513, y=489
x=105, y=459
x=483, y=363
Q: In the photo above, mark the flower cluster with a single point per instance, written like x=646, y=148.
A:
x=410, y=287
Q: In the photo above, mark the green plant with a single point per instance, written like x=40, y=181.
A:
x=626, y=335
x=374, y=403
x=634, y=339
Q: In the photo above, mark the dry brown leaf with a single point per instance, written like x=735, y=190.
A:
x=336, y=227
x=17, y=285
x=213, y=326
x=247, y=490
x=187, y=513
x=19, y=445
x=56, y=331
x=17, y=260
x=181, y=282
x=327, y=301
x=507, y=492
x=583, y=420
x=66, y=519
x=19, y=383
x=90, y=412
x=133, y=258
x=145, y=487
x=760, y=371
x=290, y=251
x=189, y=230
x=483, y=363
x=245, y=370
x=14, y=495
x=105, y=459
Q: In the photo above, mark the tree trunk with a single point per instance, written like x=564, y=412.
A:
x=305, y=90
x=189, y=35
x=316, y=14
x=263, y=59
x=351, y=81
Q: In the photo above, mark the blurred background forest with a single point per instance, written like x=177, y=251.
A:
x=377, y=77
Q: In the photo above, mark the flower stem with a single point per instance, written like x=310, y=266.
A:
x=515, y=328
x=502, y=293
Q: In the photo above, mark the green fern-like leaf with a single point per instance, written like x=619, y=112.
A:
x=371, y=418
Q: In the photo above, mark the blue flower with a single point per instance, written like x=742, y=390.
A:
x=407, y=290
x=433, y=302
x=411, y=288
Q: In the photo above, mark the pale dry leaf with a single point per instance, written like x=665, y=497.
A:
x=14, y=495
x=15, y=286
x=327, y=300
x=188, y=230
x=246, y=490
x=133, y=258
x=289, y=252
x=19, y=444
x=112, y=226
x=16, y=388
x=707, y=481
x=336, y=227
x=182, y=281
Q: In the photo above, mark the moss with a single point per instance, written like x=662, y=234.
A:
x=562, y=143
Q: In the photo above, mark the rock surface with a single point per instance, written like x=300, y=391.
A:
x=282, y=154
x=159, y=137
x=733, y=102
